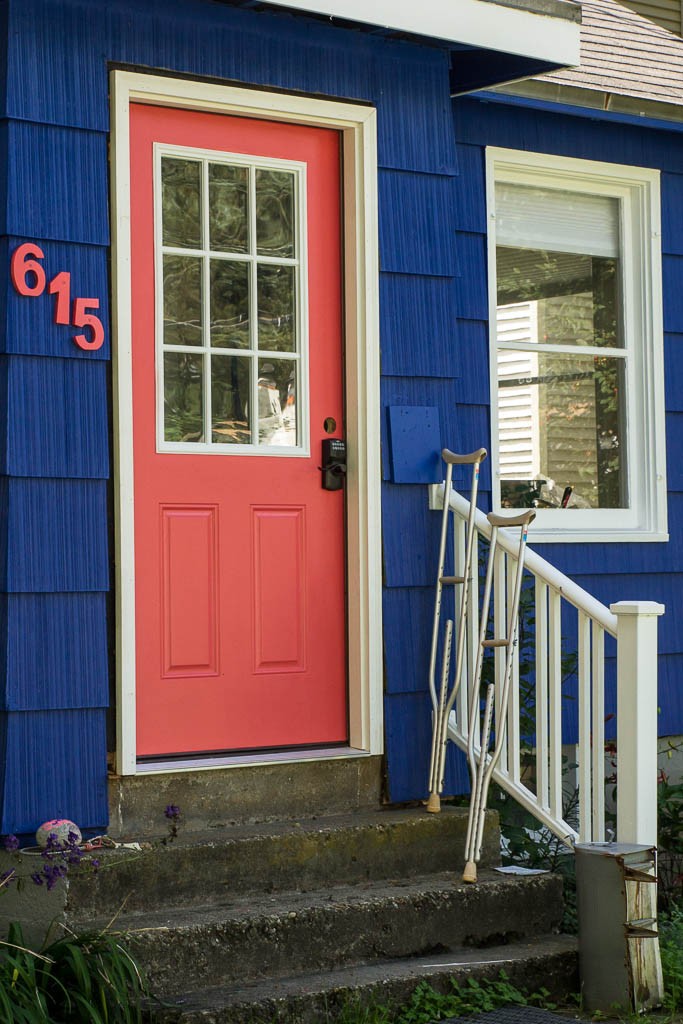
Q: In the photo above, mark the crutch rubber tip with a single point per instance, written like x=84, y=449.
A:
x=434, y=803
x=470, y=872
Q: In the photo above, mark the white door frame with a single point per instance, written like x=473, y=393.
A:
x=358, y=127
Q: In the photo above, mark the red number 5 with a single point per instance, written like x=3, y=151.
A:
x=21, y=267
x=81, y=318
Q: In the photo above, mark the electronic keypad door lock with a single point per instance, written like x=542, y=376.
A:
x=334, y=463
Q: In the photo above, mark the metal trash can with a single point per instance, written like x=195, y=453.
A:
x=619, y=962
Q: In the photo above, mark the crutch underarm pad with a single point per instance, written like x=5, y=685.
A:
x=450, y=458
x=523, y=520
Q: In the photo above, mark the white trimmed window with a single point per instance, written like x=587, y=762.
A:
x=577, y=402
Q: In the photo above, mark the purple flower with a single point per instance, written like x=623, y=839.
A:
x=7, y=876
x=94, y=863
x=172, y=812
x=37, y=878
x=11, y=843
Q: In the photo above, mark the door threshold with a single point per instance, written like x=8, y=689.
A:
x=187, y=764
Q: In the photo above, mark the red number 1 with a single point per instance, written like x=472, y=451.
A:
x=60, y=285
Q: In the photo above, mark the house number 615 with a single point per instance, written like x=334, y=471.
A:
x=28, y=278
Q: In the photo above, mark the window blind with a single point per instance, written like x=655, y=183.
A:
x=556, y=220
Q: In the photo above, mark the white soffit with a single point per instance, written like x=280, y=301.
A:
x=551, y=32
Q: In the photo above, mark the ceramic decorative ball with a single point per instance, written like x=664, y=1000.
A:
x=59, y=827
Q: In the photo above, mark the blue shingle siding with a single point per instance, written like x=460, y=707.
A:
x=612, y=572
x=55, y=459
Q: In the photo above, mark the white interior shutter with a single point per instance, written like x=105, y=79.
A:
x=557, y=220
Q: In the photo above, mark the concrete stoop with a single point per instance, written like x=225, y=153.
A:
x=287, y=921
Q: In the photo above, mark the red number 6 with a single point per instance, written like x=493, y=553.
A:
x=21, y=267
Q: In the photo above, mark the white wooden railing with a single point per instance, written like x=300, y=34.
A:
x=568, y=622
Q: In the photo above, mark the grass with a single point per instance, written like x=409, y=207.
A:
x=671, y=945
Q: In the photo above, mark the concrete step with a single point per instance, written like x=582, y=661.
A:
x=230, y=942
x=550, y=963
x=272, y=857
x=244, y=793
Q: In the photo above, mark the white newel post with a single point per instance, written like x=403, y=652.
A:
x=637, y=720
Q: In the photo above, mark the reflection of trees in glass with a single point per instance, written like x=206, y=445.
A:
x=183, y=397
x=229, y=304
x=182, y=300
x=180, y=195
x=580, y=400
x=230, y=399
x=228, y=202
x=274, y=213
x=276, y=324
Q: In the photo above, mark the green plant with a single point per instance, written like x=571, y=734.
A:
x=82, y=979
x=671, y=946
x=426, y=1005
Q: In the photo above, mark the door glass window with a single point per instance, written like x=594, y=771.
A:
x=230, y=294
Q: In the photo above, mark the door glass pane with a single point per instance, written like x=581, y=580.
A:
x=276, y=321
x=575, y=297
x=561, y=430
x=228, y=208
x=230, y=400
x=182, y=300
x=277, y=402
x=180, y=202
x=183, y=417
x=274, y=213
x=229, y=304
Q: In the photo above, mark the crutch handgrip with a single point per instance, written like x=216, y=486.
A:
x=502, y=521
x=452, y=459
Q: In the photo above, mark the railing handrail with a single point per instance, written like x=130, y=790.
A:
x=536, y=564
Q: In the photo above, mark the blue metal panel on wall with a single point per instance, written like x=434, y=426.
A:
x=75, y=206
x=670, y=694
x=57, y=535
x=415, y=441
x=56, y=767
x=30, y=320
x=415, y=223
x=418, y=331
x=56, y=418
x=408, y=731
x=56, y=651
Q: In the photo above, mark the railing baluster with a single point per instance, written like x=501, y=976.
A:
x=541, y=602
x=555, y=701
x=634, y=625
x=598, y=732
x=584, y=773
x=499, y=629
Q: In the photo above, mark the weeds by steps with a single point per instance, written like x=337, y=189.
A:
x=426, y=1005
x=671, y=947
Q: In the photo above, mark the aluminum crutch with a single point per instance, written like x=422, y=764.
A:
x=441, y=705
x=481, y=768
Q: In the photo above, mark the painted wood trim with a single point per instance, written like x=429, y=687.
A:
x=358, y=126
x=550, y=34
x=639, y=190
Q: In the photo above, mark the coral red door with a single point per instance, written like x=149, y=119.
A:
x=237, y=379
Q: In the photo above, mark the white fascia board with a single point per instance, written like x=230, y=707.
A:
x=480, y=23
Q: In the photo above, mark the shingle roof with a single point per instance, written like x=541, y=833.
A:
x=625, y=54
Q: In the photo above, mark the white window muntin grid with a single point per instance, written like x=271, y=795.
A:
x=254, y=354
x=637, y=190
